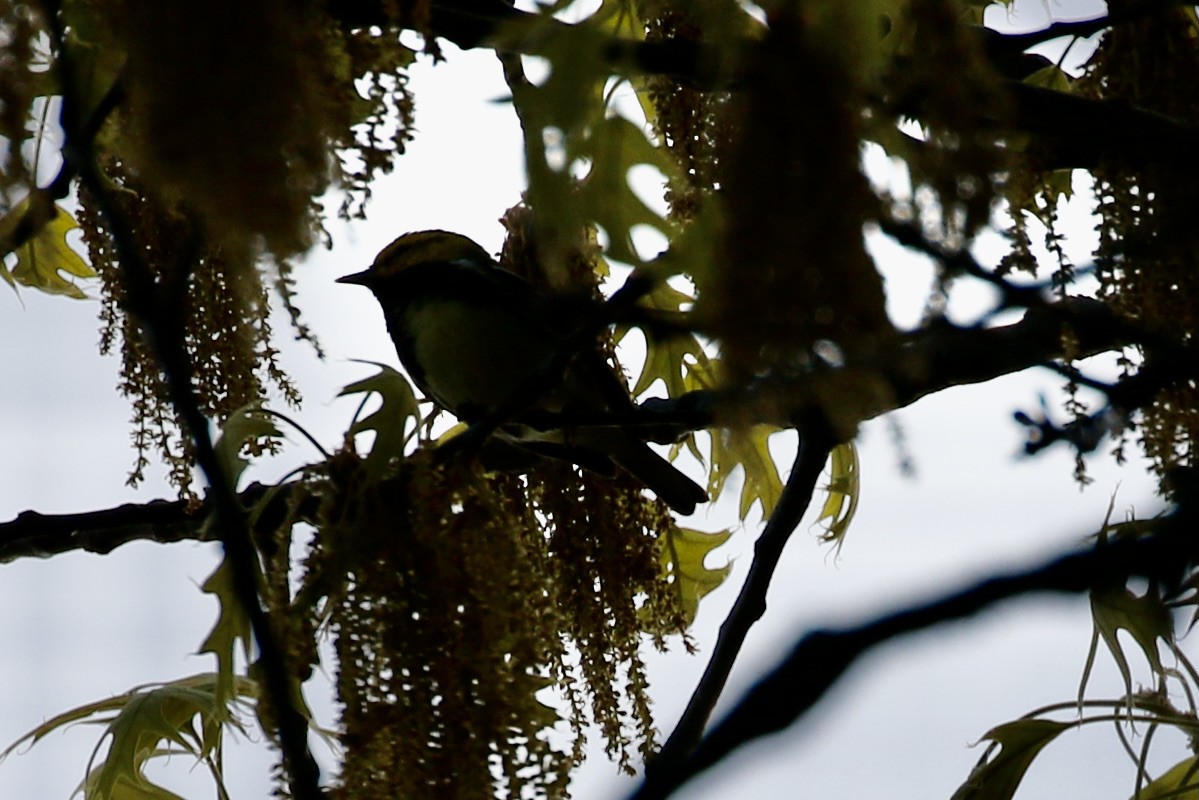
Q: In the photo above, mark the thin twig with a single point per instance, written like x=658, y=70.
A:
x=814, y=448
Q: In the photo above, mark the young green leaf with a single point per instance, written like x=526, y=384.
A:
x=390, y=420
x=232, y=627
x=683, y=553
x=844, y=488
x=750, y=450
x=188, y=715
x=998, y=776
x=46, y=254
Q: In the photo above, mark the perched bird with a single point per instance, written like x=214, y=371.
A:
x=470, y=334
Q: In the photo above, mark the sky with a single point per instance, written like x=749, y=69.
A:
x=78, y=628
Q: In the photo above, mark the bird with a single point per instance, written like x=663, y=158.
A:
x=470, y=334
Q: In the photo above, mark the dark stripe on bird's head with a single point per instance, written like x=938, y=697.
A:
x=416, y=249
x=426, y=247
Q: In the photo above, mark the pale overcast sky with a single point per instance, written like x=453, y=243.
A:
x=79, y=628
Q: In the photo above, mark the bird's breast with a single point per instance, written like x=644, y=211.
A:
x=468, y=356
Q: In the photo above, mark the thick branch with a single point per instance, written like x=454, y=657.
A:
x=43, y=535
x=34, y=535
x=1073, y=131
x=943, y=357
x=929, y=362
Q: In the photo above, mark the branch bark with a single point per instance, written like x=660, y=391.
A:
x=814, y=447
x=1070, y=131
x=155, y=305
x=926, y=363
x=820, y=658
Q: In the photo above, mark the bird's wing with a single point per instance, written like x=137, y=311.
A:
x=558, y=316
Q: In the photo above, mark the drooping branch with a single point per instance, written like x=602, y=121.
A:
x=819, y=659
x=156, y=305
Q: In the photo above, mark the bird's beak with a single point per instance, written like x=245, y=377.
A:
x=358, y=278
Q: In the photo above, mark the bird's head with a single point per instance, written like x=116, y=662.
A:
x=421, y=247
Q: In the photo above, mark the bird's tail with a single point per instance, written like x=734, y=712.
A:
x=659, y=475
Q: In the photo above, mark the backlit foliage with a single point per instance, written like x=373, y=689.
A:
x=696, y=125
x=1148, y=256
x=1128, y=626
x=222, y=174
x=458, y=599
x=794, y=269
x=954, y=163
x=224, y=323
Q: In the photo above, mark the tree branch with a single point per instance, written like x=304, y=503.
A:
x=43, y=535
x=926, y=363
x=820, y=658
x=34, y=535
x=1074, y=131
x=155, y=305
x=814, y=447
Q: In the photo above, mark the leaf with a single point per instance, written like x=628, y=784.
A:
x=123, y=788
x=569, y=131
x=1051, y=77
x=615, y=146
x=618, y=18
x=749, y=449
x=390, y=420
x=232, y=627
x=1019, y=743
x=1145, y=617
x=666, y=357
x=1057, y=185
x=45, y=253
x=692, y=251
x=683, y=553
x=1178, y=782
x=151, y=722
x=245, y=426
x=844, y=489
